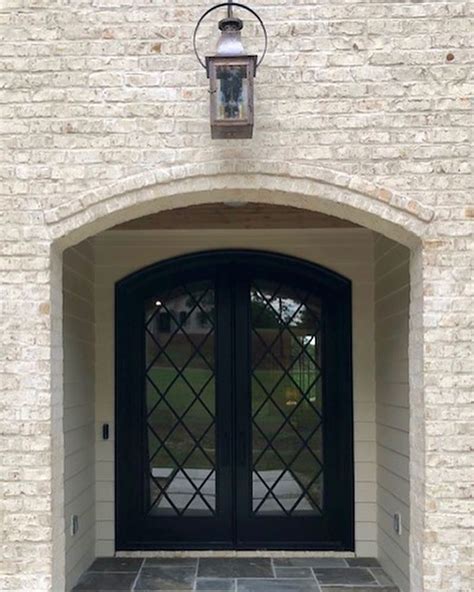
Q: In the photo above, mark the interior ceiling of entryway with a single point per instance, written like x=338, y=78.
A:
x=248, y=215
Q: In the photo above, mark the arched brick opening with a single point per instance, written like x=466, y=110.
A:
x=378, y=209
x=402, y=219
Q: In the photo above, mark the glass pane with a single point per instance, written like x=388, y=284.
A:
x=287, y=420
x=232, y=92
x=180, y=400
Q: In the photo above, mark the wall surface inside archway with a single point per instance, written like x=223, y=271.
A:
x=362, y=110
x=391, y=318
x=78, y=407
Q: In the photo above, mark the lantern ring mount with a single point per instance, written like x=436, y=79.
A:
x=227, y=4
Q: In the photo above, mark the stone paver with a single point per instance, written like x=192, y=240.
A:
x=215, y=585
x=362, y=562
x=166, y=578
x=355, y=576
x=116, y=564
x=105, y=581
x=235, y=568
x=293, y=572
x=274, y=585
x=310, y=562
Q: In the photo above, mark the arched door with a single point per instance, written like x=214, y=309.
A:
x=234, y=405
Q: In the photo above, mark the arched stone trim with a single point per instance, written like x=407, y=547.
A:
x=313, y=188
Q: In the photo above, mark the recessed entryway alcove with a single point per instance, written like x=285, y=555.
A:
x=378, y=271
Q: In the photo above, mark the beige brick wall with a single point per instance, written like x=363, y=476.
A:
x=79, y=401
x=392, y=295
x=363, y=109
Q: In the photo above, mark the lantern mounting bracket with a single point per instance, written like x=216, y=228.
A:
x=230, y=6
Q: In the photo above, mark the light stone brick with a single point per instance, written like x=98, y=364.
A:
x=363, y=110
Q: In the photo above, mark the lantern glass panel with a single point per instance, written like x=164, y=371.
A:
x=232, y=92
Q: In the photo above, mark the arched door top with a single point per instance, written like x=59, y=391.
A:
x=256, y=258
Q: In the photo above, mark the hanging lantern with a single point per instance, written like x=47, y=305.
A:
x=231, y=72
x=231, y=75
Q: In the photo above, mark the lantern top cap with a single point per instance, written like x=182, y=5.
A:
x=230, y=42
x=232, y=23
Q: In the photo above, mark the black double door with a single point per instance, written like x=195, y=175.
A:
x=234, y=421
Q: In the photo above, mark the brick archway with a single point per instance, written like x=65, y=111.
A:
x=309, y=188
x=358, y=200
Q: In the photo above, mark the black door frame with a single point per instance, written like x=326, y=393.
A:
x=130, y=294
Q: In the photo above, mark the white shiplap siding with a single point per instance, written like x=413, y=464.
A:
x=392, y=285
x=79, y=440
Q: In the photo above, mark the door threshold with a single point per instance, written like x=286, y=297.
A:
x=230, y=553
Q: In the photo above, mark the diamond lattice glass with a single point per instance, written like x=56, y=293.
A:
x=287, y=412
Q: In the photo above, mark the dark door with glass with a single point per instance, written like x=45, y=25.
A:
x=234, y=405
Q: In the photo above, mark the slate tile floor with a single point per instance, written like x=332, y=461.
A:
x=214, y=574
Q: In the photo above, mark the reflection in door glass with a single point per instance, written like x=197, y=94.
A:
x=287, y=411
x=180, y=401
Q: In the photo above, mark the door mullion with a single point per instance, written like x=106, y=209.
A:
x=224, y=400
x=242, y=410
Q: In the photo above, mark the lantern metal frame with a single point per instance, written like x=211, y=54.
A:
x=223, y=129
